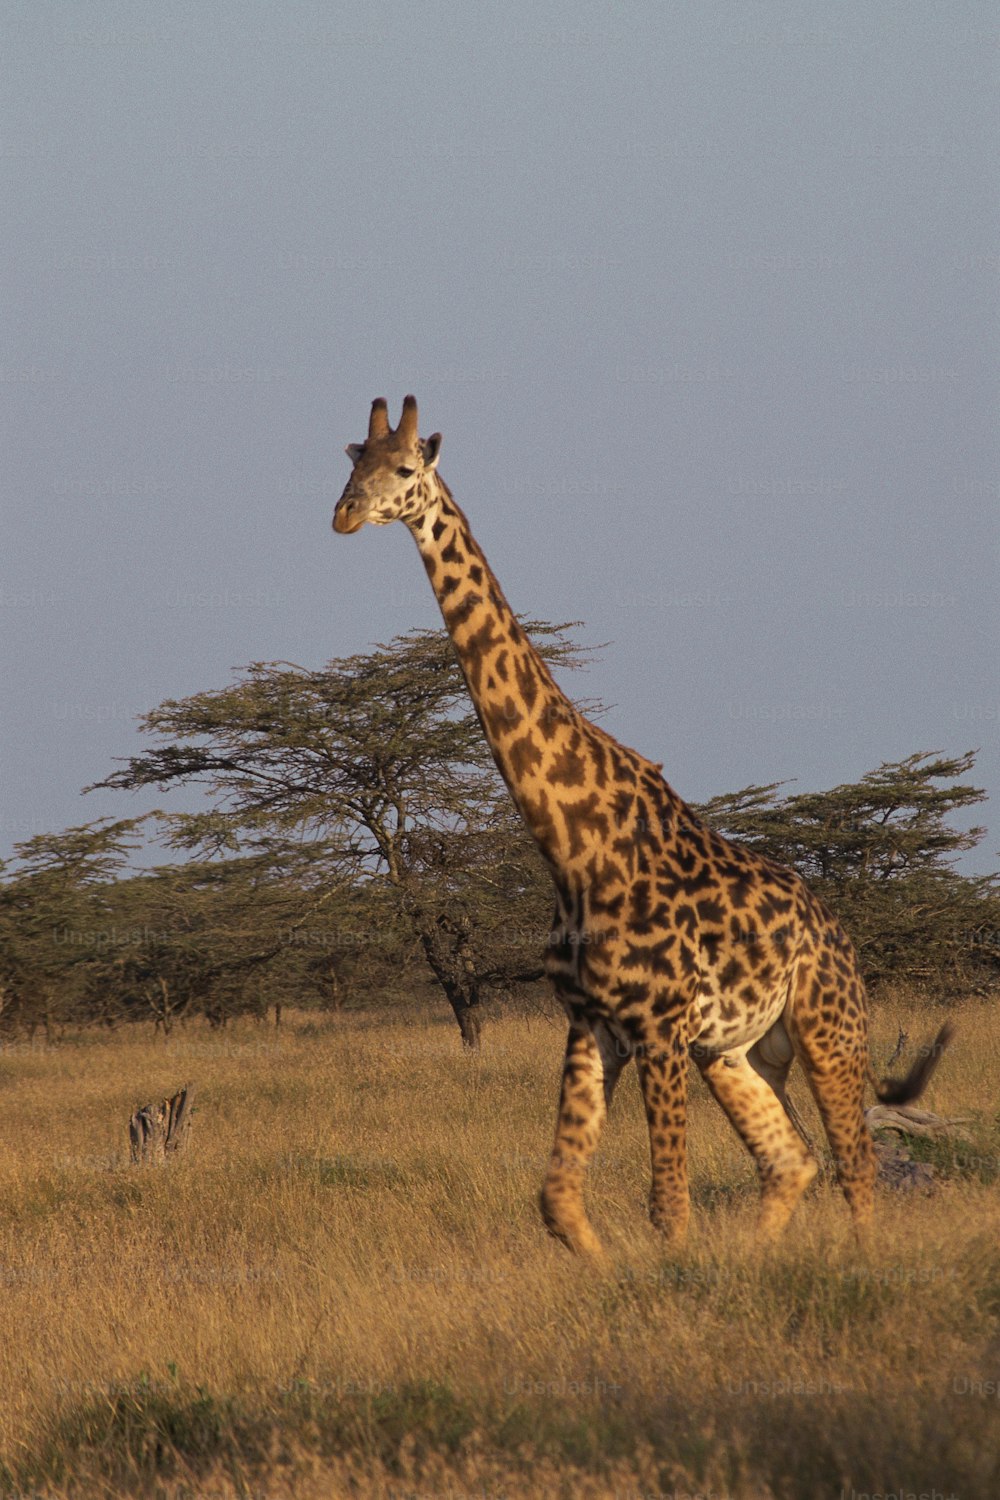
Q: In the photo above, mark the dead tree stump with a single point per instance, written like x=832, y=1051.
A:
x=156, y=1129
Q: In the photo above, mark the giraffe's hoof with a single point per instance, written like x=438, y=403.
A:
x=778, y=1207
x=579, y=1240
x=671, y=1227
x=571, y=1230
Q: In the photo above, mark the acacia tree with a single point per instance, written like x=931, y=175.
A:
x=83, y=939
x=192, y=937
x=56, y=921
x=880, y=851
x=380, y=761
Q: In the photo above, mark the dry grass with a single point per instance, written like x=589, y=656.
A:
x=345, y=1287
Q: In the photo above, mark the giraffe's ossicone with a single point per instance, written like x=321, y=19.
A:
x=668, y=942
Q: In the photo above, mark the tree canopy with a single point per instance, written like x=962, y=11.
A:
x=881, y=852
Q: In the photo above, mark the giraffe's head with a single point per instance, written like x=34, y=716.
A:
x=391, y=480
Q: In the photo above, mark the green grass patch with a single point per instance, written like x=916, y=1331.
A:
x=964, y=1160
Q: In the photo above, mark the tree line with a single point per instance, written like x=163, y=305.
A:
x=357, y=842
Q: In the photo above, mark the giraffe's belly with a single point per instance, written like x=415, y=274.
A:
x=723, y=1020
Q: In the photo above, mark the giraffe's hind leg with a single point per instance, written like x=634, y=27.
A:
x=663, y=1070
x=753, y=1098
x=590, y=1071
x=830, y=1034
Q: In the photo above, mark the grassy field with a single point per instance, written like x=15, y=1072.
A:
x=345, y=1287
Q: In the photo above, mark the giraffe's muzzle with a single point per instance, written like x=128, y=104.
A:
x=346, y=518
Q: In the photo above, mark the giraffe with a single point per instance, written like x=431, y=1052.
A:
x=668, y=941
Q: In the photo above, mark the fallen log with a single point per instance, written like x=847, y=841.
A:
x=908, y=1120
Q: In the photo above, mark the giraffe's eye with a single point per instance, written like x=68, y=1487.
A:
x=406, y=473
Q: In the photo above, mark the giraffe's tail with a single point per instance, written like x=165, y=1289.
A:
x=906, y=1090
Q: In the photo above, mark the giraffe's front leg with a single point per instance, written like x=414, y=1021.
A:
x=663, y=1070
x=589, y=1075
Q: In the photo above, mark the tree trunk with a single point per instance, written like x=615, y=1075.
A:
x=448, y=951
x=336, y=991
x=470, y=1024
x=161, y=1008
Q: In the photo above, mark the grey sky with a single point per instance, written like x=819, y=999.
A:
x=703, y=299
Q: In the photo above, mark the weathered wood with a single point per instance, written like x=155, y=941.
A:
x=909, y=1120
x=156, y=1129
x=896, y=1167
x=899, y=1049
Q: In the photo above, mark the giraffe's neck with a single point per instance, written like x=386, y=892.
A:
x=567, y=777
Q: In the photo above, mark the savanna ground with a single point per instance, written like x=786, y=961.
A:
x=344, y=1286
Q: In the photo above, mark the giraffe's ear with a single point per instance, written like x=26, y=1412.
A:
x=353, y=451
x=431, y=449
